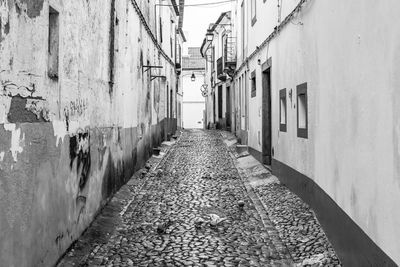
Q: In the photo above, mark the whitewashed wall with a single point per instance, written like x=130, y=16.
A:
x=349, y=54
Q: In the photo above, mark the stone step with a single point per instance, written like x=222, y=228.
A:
x=241, y=148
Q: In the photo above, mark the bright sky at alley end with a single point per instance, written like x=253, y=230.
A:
x=197, y=18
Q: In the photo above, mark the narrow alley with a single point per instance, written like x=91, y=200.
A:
x=192, y=207
x=199, y=133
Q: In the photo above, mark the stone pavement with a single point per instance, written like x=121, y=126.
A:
x=195, y=206
x=296, y=223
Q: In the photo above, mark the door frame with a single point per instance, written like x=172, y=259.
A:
x=266, y=112
x=228, y=108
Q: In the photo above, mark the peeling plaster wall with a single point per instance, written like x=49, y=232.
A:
x=67, y=144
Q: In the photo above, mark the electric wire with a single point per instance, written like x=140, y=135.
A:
x=205, y=4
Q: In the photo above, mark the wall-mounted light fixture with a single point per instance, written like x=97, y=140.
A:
x=193, y=77
x=210, y=35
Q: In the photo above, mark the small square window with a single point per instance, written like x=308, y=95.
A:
x=53, y=43
x=302, y=111
x=253, y=84
x=282, y=110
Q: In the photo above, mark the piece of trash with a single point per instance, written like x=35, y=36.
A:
x=241, y=204
x=162, y=227
x=215, y=219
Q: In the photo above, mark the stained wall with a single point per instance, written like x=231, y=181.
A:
x=67, y=143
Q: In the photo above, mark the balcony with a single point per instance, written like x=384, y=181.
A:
x=230, y=58
x=178, y=67
x=220, y=70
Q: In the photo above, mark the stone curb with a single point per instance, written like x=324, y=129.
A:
x=262, y=211
x=253, y=188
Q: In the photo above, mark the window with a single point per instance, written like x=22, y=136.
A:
x=246, y=95
x=302, y=110
x=253, y=84
x=224, y=48
x=53, y=49
x=161, y=33
x=282, y=110
x=253, y=12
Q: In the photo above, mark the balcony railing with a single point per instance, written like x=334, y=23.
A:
x=230, y=57
x=220, y=70
x=178, y=67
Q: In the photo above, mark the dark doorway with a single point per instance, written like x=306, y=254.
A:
x=168, y=102
x=219, y=103
x=171, y=107
x=266, y=117
x=214, y=110
x=228, y=108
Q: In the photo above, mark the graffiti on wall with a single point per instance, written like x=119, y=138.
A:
x=79, y=150
x=74, y=109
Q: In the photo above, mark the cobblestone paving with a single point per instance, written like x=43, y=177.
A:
x=295, y=221
x=297, y=226
x=191, y=210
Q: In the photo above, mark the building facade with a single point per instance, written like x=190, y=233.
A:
x=316, y=98
x=192, y=81
x=219, y=51
x=88, y=88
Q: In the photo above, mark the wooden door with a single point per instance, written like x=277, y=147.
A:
x=266, y=117
x=228, y=108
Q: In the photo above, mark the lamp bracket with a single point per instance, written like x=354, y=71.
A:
x=148, y=67
x=152, y=77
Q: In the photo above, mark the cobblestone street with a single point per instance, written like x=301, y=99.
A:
x=192, y=207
